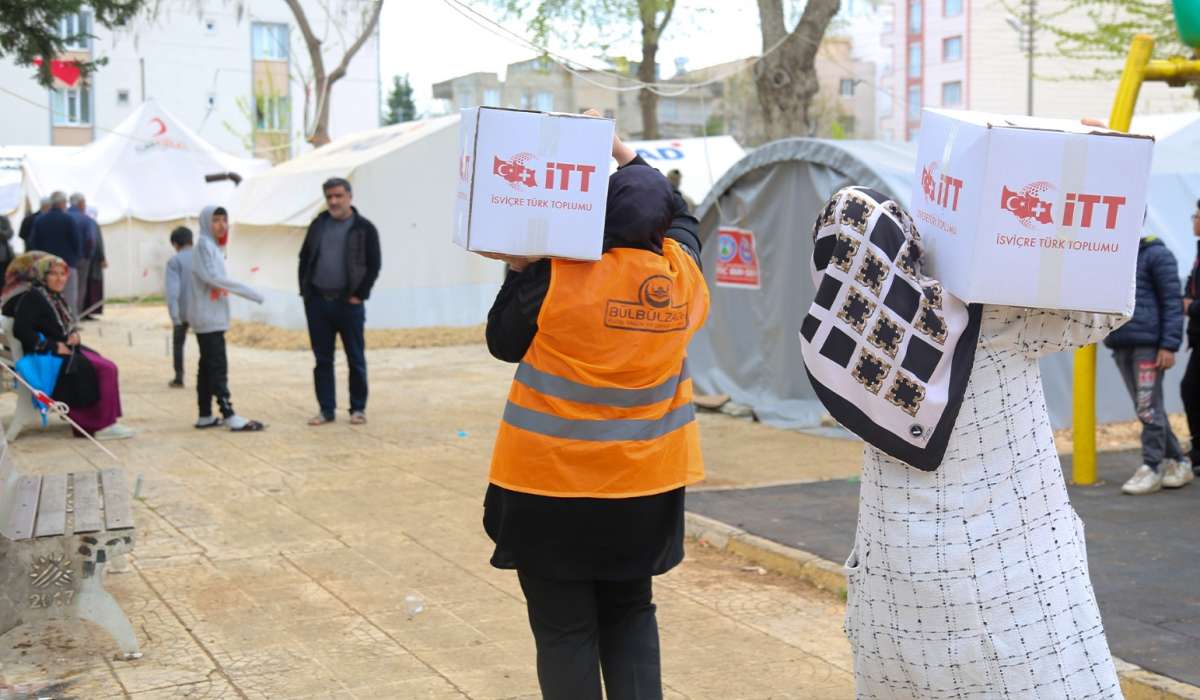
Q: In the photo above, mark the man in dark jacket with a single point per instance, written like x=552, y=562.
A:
x=1190, y=387
x=55, y=232
x=27, y=222
x=1144, y=349
x=339, y=263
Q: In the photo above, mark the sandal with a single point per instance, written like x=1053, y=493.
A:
x=216, y=423
x=319, y=419
x=251, y=426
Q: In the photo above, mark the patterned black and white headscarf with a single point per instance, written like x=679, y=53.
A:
x=887, y=350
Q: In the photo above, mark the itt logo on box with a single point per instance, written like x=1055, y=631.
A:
x=1029, y=207
x=939, y=188
x=563, y=176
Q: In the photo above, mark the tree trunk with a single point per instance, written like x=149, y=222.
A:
x=323, y=82
x=787, y=77
x=652, y=31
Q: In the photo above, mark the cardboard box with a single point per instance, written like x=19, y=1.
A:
x=532, y=183
x=1030, y=212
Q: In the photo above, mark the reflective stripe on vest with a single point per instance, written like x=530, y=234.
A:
x=597, y=430
x=552, y=385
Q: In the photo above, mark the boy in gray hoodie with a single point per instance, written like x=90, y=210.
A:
x=208, y=314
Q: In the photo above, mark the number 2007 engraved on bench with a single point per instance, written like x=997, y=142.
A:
x=58, y=599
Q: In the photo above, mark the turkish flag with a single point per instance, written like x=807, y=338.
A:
x=66, y=72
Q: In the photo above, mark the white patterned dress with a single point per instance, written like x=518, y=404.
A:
x=971, y=581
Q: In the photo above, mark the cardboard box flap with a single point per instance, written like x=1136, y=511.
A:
x=1069, y=126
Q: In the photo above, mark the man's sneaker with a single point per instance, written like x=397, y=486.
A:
x=1144, y=480
x=1177, y=474
x=175, y=383
x=116, y=431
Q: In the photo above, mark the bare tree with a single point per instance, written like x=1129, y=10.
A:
x=652, y=30
x=318, y=91
x=787, y=76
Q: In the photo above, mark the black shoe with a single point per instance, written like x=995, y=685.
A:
x=175, y=383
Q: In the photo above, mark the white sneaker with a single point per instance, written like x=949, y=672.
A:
x=1177, y=474
x=116, y=431
x=1144, y=480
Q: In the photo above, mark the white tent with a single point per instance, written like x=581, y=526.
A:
x=701, y=161
x=144, y=178
x=404, y=179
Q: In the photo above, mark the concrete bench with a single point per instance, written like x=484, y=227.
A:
x=24, y=414
x=58, y=534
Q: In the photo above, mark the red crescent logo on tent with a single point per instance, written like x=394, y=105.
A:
x=162, y=127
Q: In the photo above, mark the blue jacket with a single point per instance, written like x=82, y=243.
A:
x=55, y=232
x=1158, y=313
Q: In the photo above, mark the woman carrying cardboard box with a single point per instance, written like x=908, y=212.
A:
x=599, y=439
x=969, y=573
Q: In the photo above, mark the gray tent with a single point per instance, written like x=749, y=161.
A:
x=750, y=348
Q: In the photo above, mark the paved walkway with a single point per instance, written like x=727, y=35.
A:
x=1144, y=552
x=276, y=565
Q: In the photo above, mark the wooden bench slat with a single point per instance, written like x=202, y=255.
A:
x=118, y=506
x=52, y=506
x=87, y=502
x=20, y=521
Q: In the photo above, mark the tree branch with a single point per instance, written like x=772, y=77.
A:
x=666, y=17
x=368, y=30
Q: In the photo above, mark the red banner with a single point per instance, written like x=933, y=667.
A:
x=737, y=260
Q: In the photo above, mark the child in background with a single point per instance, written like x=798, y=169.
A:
x=179, y=289
x=208, y=314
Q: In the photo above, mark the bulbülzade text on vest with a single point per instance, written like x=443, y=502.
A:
x=601, y=405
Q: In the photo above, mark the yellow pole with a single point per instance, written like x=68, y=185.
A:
x=1084, y=428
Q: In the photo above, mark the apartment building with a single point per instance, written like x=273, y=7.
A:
x=236, y=73
x=713, y=99
x=969, y=54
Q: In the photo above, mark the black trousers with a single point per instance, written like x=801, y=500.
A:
x=177, y=342
x=212, y=380
x=327, y=319
x=585, y=628
x=1190, y=389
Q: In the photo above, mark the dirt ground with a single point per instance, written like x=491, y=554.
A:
x=261, y=336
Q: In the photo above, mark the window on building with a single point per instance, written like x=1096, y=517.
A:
x=72, y=107
x=74, y=29
x=525, y=101
x=952, y=8
x=914, y=16
x=668, y=109
x=846, y=87
x=914, y=60
x=272, y=112
x=122, y=97
x=270, y=41
x=952, y=49
x=544, y=101
x=466, y=100
x=952, y=94
x=609, y=114
x=914, y=103
x=491, y=97
x=210, y=25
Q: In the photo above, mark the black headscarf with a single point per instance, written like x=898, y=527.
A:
x=640, y=206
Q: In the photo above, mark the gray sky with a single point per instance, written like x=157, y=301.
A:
x=436, y=42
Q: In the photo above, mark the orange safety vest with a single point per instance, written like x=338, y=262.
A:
x=601, y=405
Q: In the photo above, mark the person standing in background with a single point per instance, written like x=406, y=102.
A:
x=1190, y=386
x=178, y=291
x=27, y=222
x=1144, y=349
x=6, y=243
x=94, y=299
x=339, y=263
x=57, y=233
x=87, y=234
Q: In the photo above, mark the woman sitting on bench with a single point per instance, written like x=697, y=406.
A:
x=44, y=324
